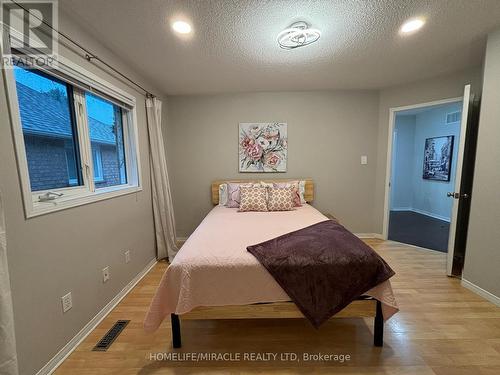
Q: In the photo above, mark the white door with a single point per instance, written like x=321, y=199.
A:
x=456, y=194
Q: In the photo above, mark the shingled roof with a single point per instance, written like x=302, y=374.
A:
x=44, y=115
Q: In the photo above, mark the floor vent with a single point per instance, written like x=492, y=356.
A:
x=111, y=336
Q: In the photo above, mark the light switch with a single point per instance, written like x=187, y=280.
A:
x=364, y=159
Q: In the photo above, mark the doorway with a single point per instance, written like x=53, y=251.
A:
x=423, y=171
x=430, y=165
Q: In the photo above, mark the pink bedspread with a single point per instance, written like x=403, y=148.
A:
x=214, y=268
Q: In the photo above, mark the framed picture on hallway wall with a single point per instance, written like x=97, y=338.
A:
x=438, y=152
x=262, y=147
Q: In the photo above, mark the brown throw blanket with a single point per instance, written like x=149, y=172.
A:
x=323, y=268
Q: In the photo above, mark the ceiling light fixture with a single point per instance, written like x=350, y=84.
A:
x=412, y=25
x=181, y=27
x=299, y=34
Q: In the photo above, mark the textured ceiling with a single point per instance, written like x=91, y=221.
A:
x=233, y=47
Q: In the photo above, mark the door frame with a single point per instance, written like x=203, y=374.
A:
x=388, y=167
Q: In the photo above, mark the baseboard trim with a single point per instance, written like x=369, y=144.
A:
x=435, y=216
x=369, y=235
x=480, y=291
x=56, y=361
x=422, y=212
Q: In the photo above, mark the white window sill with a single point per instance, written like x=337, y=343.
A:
x=65, y=202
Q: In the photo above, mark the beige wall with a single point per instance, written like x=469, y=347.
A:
x=445, y=87
x=327, y=134
x=65, y=251
x=482, y=260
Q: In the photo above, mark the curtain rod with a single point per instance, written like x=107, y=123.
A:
x=89, y=56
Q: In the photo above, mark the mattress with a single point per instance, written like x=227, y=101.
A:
x=214, y=268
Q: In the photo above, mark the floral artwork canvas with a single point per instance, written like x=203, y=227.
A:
x=263, y=147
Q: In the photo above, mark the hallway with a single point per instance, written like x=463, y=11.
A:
x=420, y=230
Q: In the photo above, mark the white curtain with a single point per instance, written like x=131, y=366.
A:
x=163, y=210
x=8, y=357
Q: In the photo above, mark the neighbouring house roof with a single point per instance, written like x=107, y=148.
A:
x=44, y=115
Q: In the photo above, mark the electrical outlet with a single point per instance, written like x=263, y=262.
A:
x=67, y=302
x=105, y=274
x=127, y=256
x=364, y=160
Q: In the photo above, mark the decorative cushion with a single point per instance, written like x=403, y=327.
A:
x=233, y=193
x=222, y=194
x=266, y=184
x=302, y=191
x=253, y=198
x=298, y=198
x=281, y=198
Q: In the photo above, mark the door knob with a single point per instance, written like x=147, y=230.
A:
x=457, y=195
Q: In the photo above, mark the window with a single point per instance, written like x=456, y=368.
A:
x=76, y=140
x=106, y=135
x=48, y=128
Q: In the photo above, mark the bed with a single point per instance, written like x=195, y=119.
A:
x=213, y=276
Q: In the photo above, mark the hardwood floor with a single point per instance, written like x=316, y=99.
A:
x=442, y=329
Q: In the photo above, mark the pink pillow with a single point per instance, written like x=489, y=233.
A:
x=233, y=193
x=281, y=198
x=295, y=185
x=253, y=199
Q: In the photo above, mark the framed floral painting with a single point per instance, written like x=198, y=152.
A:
x=263, y=147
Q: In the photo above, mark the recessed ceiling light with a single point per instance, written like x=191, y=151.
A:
x=181, y=27
x=412, y=25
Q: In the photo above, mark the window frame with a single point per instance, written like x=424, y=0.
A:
x=97, y=160
x=73, y=181
x=81, y=81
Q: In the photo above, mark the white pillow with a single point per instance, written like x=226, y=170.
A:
x=302, y=191
x=222, y=194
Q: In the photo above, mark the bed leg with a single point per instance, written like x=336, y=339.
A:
x=378, y=334
x=176, y=331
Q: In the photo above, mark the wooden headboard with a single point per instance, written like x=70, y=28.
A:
x=308, y=193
